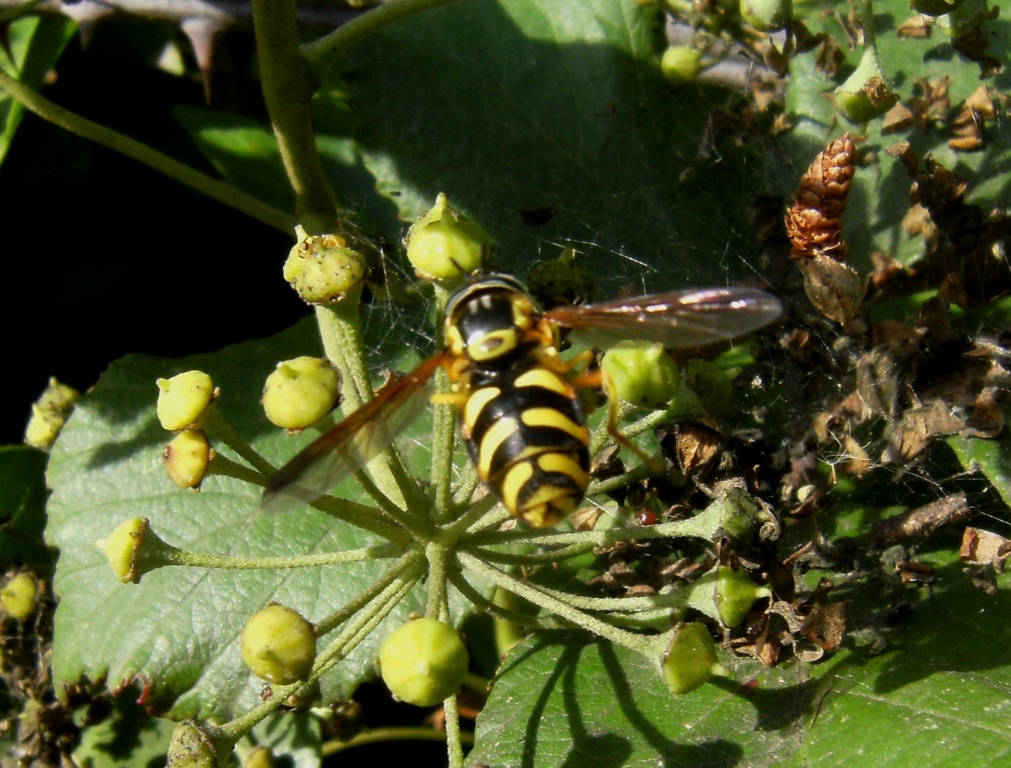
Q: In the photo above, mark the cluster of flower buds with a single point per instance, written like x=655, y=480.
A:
x=183, y=402
x=323, y=269
x=279, y=645
x=299, y=392
x=19, y=596
x=690, y=660
x=133, y=549
x=423, y=662
x=49, y=413
x=640, y=373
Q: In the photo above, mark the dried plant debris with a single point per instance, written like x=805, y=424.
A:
x=920, y=382
x=923, y=521
x=814, y=226
x=974, y=44
x=980, y=547
x=968, y=242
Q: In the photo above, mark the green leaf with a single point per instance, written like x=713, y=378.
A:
x=934, y=698
x=990, y=457
x=178, y=629
x=559, y=109
x=243, y=150
x=128, y=737
x=293, y=738
x=22, y=505
x=32, y=47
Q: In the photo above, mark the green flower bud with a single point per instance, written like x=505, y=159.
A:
x=299, y=392
x=735, y=594
x=261, y=757
x=690, y=660
x=681, y=64
x=183, y=399
x=186, y=458
x=866, y=94
x=322, y=269
x=198, y=745
x=640, y=373
x=423, y=662
x=767, y=15
x=19, y=596
x=133, y=549
x=443, y=245
x=49, y=413
x=561, y=281
x=278, y=645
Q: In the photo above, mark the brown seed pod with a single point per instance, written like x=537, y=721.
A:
x=813, y=219
x=814, y=226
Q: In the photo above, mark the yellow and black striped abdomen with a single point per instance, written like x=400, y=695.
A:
x=527, y=436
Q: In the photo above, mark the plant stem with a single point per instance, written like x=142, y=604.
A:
x=496, y=611
x=650, y=420
x=481, y=514
x=340, y=329
x=213, y=422
x=359, y=515
x=867, y=19
x=598, y=487
x=561, y=608
x=443, y=429
x=534, y=558
x=320, y=53
x=288, y=92
x=232, y=562
x=703, y=526
x=466, y=483
x=118, y=142
x=453, y=744
x=23, y=9
x=386, y=735
x=406, y=563
x=362, y=627
x=438, y=596
x=222, y=466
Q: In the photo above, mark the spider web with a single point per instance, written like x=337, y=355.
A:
x=551, y=130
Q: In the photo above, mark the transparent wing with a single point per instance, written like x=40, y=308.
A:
x=350, y=445
x=678, y=320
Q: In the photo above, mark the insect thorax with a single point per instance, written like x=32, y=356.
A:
x=488, y=322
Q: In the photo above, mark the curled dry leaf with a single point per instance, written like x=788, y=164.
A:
x=980, y=547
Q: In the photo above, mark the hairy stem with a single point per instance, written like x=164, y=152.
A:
x=287, y=91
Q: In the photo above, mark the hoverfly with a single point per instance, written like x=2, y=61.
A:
x=520, y=412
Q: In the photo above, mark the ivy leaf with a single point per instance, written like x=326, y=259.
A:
x=243, y=150
x=177, y=631
x=22, y=505
x=31, y=47
x=549, y=123
x=936, y=694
